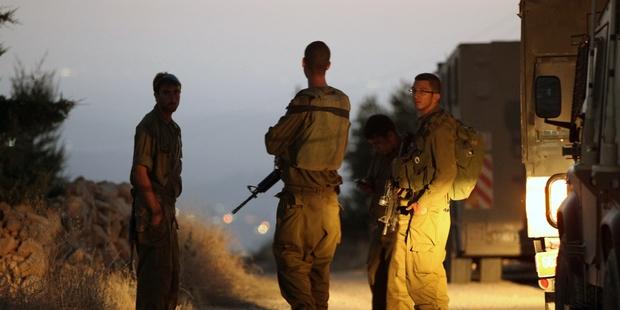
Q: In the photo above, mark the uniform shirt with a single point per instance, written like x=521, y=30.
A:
x=157, y=146
x=281, y=136
x=430, y=167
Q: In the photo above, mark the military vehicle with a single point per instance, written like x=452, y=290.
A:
x=480, y=86
x=570, y=136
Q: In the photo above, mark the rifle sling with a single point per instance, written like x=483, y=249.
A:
x=310, y=108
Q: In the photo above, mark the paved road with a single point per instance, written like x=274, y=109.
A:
x=349, y=290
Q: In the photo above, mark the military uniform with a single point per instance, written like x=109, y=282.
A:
x=380, y=249
x=157, y=146
x=428, y=169
x=309, y=142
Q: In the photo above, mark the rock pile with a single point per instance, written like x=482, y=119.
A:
x=86, y=226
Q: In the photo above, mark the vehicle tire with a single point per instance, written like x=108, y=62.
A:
x=460, y=270
x=490, y=269
x=563, y=282
x=611, y=283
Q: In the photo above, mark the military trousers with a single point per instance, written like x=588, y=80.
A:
x=417, y=261
x=158, y=260
x=379, y=257
x=307, y=234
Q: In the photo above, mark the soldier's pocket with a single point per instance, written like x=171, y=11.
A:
x=288, y=219
x=424, y=258
x=154, y=235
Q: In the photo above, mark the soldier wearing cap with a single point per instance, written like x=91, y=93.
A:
x=309, y=143
x=156, y=180
x=427, y=170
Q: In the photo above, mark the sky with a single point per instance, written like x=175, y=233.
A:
x=239, y=62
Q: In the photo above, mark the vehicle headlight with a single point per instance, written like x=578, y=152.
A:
x=556, y=191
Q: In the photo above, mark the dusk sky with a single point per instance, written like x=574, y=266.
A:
x=239, y=62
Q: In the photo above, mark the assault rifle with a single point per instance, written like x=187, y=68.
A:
x=390, y=200
x=262, y=187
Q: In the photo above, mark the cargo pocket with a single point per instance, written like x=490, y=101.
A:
x=289, y=221
x=423, y=258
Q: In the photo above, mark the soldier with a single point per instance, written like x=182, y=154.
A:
x=309, y=143
x=156, y=180
x=428, y=171
x=381, y=134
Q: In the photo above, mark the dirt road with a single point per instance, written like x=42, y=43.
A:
x=349, y=290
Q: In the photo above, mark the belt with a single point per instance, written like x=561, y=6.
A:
x=313, y=190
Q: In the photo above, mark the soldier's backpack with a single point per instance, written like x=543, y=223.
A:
x=469, y=152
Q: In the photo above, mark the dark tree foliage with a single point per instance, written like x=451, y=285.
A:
x=6, y=17
x=401, y=110
x=31, y=161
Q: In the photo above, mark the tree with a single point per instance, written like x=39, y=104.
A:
x=6, y=17
x=31, y=161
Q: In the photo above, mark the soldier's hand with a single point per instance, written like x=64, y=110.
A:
x=417, y=208
x=364, y=187
x=156, y=216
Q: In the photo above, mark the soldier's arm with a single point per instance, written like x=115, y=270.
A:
x=281, y=135
x=442, y=147
x=144, y=148
x=145, y=188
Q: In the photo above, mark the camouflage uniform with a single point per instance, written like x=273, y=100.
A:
x=380, y=250
x=157, y=146
x=307, y=220
x=429, y=170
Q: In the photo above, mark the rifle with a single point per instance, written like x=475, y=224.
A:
x=390, y=200
x=262, y=187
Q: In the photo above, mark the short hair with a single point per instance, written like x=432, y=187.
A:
x=432, y=79
x=317, y=56
x=378, y=125
x=162, y=78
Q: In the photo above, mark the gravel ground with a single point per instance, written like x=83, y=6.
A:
x=349, y=290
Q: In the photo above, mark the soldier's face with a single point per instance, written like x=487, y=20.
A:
x=424, y=98
x=168, y=97
x=384, y=145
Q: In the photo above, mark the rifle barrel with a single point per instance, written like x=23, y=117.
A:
x=244, y=202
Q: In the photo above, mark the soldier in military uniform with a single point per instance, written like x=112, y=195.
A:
x=428, y=171
x=381, y=134
x=309, y=143
x=156, y=180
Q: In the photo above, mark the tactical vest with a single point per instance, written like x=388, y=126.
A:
x=321, y=143
x=416, y=167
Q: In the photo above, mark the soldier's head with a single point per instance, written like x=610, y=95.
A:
x=381, y=134
x=425, y=93
x=316, y=59
x=167, y=91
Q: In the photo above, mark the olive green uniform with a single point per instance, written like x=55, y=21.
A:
x=380, y=250
x=429, y=169
x=307, y=220
x=157, y=146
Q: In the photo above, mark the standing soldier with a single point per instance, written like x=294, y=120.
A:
x=381, y=134
x=156, y=179
x=309, y=143
x=427, y=171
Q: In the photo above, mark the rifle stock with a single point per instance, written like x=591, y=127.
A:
x=262, y=187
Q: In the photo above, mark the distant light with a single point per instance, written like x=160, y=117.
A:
x=11, y=142
x=66, y=72
x=227, y=218
x=263, y=227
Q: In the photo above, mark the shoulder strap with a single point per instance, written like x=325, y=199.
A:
x=310, y=108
